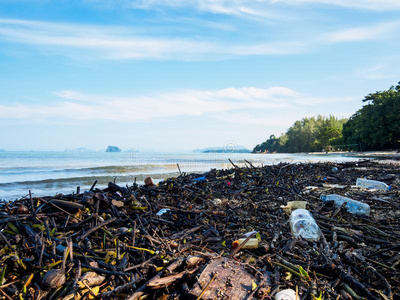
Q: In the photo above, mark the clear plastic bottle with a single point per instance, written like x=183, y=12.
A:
x=352, y=206
x=372, y=184
x=303, y=224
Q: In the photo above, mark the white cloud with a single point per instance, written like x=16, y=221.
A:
x=362, y=4
x=112, y=42
x=223, y=104
x=123, y=43
x=80, y=106
x=246, y=7
x=379, y=71
x=225, y=7
x=107, y=42
x=376, y=31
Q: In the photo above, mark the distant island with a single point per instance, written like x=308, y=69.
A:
x=113, y=149
x=236, y=149
x=2, y=150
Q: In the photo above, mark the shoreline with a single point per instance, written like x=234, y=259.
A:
x=372, y=154
x=392, y=154
x=44, y=174
x=187, y=223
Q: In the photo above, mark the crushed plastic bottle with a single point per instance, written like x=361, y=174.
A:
x=352, y=206
x=303, y=224
x=373, y=184
x=200, y=179
x=287, y=294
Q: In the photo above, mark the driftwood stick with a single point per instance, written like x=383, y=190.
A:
x=90, y=231
x=103, y=271
x=119, y=289
x=140, y=291
x=93, y=185
x=384, y=280
x=6, y=240
x=206, y=287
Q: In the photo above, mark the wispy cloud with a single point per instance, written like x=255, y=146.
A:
x=378, y=5
x=75, y=105
x=379, y=71
x=112, y=42
x=372, y=32
x=124, y=43
x=246, y=7
x=224, y=7
x=105, y=41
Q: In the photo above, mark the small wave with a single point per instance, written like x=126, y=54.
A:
x=137, y=168
x=83, y=180
x=15, y=190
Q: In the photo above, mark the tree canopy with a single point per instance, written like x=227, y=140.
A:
x=376, y=126
x=306, y=135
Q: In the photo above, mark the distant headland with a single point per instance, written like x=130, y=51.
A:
x=236, y=149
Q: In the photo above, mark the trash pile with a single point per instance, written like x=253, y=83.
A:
x=288, y=231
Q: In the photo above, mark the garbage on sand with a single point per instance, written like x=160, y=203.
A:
x=114, y=243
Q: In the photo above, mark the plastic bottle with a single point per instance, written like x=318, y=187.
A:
x=247, y=234
x=303, y=224
x=372, y=184
x=252, y=243
x=352, y=206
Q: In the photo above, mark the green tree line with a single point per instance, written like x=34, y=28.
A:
x=376, y=126
x=306, y=135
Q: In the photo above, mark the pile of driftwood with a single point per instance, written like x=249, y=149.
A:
x=178, y=239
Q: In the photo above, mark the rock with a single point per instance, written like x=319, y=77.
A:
x=148, y=181
x=226, y=279
x=113, y=149
x=53, y=279
x=22, y=209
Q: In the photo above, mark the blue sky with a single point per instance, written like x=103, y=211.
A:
x=179, y=75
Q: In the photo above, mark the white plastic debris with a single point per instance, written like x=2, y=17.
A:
x=162, y=211
x=303, y=224
x=287, y=294
x=217, y=201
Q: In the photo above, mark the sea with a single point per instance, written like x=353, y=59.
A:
x=51, y=172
